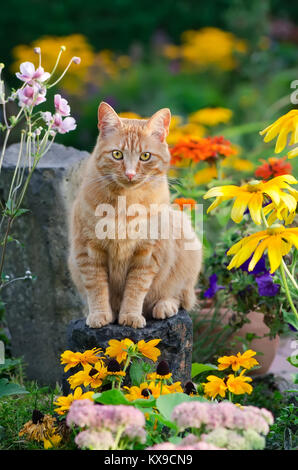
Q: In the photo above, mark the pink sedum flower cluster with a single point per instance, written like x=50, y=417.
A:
x=101, y=423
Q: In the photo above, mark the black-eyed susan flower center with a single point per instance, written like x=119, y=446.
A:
x=37, y=416
x=93, y=372
x=113, y=366
x=146, y=392
x=163, y=368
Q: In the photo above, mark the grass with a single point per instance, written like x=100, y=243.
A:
x=15, y=411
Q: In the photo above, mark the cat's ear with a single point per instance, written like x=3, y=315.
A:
x=159, y=123
x=108, y=120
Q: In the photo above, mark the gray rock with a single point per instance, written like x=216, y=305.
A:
x=38, y=312
x=176, y=336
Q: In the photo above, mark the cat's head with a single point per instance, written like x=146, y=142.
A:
x=131, y=152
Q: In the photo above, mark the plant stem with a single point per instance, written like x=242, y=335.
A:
x=10, y=219
x=289, y=275
x=287, y=290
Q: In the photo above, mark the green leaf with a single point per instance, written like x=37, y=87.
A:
x=197, y=368
x=293, y=360
x=10, y=364
x=20, y=212
x=111, y=397
x=144, y=403
x=289, y=317
x=136, y=372
x=161, y=419
x=166, y=403
x=9, y=388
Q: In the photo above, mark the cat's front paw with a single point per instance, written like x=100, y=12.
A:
x=99, y=319
x=165, y=309
x=132, y=319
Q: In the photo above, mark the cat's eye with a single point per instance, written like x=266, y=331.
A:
x=145, y=156
x=117, y=154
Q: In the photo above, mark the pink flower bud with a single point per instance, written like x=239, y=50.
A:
x=37, y=50
x=76, y=60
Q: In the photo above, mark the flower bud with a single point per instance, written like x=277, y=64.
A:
x=37, y=50
x=63, y=48
x=76, y=60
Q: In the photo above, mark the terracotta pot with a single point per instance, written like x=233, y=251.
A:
x=268, y=347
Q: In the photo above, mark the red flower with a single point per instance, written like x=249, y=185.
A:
x=182, y=201
x=202, y=149
x=274, y=167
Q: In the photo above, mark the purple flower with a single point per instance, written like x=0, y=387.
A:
x=213, y=287
x=29, y=74
x=259, y=268
x=31, y=95
x=62, y=126
x=61, y=105
x=266, y=286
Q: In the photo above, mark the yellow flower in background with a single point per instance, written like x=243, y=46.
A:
x=130, y=115
x=251, y=196
x=211, y=47
x=76, y=46
x=148, y=349
x=277, y=240
x=118, y=349
x=238, y=385
x=186, y=130
x=285, y=125
x=64, y=403
x=239, y=164
x=91, y=375
x=72, y=359
x=211, y=116
x=245, y=360
x=215, y=386
x=206, y=175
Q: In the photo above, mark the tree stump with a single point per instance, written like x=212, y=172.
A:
x=176, y=334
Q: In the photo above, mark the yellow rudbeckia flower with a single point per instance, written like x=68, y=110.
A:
x=92, y=375
x=72, y=359
x=277, y=240
x=118, y=349
x=252, y=195
x=64, y=403
x=238, y=385
x=148, y=349
x=285, y=125
x=144, y=391
x=214, y=387
x=245, y=360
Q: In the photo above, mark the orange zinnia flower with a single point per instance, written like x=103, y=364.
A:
x=274, y=167
x=204, y=149
x=182, y=201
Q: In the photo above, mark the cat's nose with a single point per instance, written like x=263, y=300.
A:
x=130, y=174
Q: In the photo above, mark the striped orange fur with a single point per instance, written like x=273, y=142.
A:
x=125, y=278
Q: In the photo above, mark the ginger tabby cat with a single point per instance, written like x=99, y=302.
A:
x=121, y=276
